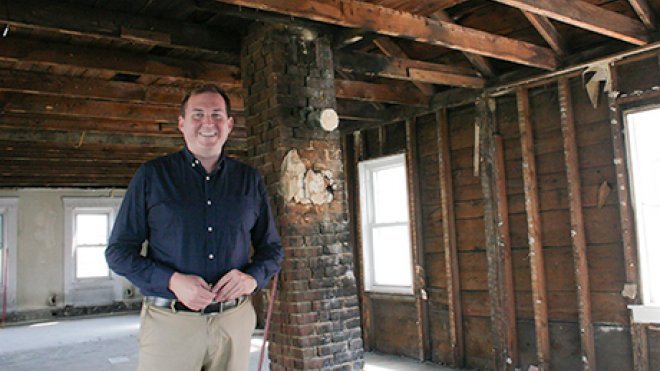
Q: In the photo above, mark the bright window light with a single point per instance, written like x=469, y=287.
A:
x=91, y=235
x=385, y=227
x=643, y=129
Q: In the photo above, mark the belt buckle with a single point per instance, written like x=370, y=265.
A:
x=173, y=306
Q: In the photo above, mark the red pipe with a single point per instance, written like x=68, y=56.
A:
x=273, y=289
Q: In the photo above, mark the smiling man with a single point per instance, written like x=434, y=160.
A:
x=199, y=211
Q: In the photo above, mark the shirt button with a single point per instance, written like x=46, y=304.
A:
x=210, y=229
x=208, y=178
x=208, y=202
x=193, y=165
x=211, y=256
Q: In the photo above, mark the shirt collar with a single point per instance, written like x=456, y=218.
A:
x=190, y=158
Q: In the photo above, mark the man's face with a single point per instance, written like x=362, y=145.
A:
x=206, y=125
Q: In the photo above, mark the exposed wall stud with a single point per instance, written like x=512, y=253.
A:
x=539, y=292
x=449, y=241
x=577, y=225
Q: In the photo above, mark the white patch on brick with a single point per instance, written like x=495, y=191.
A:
x=302, y=185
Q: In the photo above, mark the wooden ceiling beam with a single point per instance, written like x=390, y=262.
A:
x=75, y=107
x=391, y=22
x=350, y=110
x=548, y=31
x=393, y=93
x=585, y=15
x=406, y=69
x=645, y=13
x=479, y=62
x=18, y=49
x=75, y=87
x=391, y=49
x=99, y=23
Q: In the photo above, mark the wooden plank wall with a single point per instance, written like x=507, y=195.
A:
x=581, y=233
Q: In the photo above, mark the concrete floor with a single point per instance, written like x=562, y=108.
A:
x=110, y=343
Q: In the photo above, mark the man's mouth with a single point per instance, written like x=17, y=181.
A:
x=209, y=134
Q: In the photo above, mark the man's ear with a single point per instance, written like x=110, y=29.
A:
x=180, y=123
x=230, y=123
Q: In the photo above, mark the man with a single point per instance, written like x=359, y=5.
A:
x=199, y=210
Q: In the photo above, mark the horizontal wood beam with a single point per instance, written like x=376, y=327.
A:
x=72, y=19
x=357, y=111
x=406, y=69
x=76, y=87
x=581, y=14
x=384, y=93
x=479, y=62
x=392, y=49
x=26, y=50
x=391, y=22
x=64, y=106
x=57, y=122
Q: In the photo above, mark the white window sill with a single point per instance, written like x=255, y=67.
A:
x=645, y=313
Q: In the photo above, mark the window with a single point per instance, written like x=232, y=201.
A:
x=8, y=236
x=88, y=222
x=385, y=227
x=643, y=131
x=90, y=236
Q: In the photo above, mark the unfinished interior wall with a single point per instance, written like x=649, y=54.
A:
x=567, y=296
x=40, y=272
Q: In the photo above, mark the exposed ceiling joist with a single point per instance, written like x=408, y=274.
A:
x=16, y=49
x=390, y=22
x=67, y=86
x=479, y=62
x=548, y=32
x=70, y=19
x=585, y=15
x=407, y=69
x=395, y=93
x=391, y=49
x=644, y=12
x=75, y=107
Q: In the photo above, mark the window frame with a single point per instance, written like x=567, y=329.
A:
x=365, y=171
x=88, y=290
x=9, y=211
x=648, y=311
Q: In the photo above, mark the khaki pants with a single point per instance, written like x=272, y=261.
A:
x=188, y=341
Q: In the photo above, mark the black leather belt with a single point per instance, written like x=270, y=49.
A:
x=177, y=306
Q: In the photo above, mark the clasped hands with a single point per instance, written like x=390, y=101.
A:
x=195, y=293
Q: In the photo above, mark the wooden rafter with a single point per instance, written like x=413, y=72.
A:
x=391, y=49
x=548, y=31
x=479, y=62
x=383, y=93
x=17, y=49
x=407, y=69
x=644, y=12
x=390, y=22
x=585, y=15
x=70, y=19
x=77, y=87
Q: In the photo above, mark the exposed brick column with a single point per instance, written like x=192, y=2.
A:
x=316, y=321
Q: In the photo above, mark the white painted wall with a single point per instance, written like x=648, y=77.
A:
x=41, y=235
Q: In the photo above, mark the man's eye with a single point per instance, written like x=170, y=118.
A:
x=198, y=115
x=217, y=116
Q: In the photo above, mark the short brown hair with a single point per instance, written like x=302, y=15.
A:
x=209, y=88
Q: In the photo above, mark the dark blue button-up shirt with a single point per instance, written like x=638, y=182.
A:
x=195, y=223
